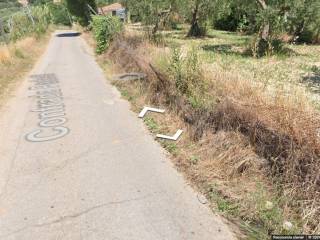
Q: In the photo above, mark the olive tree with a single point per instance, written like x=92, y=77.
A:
x=81, y=10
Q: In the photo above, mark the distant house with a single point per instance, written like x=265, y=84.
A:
x=115, y=9
x=23, y=2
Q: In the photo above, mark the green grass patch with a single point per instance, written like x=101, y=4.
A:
x=151, y=124
x=170, y=146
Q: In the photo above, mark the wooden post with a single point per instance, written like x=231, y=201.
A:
x=266, y=26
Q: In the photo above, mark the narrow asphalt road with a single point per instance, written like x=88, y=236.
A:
x=76, y=163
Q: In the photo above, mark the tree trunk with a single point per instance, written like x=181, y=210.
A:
x=297, y=33
x=195, y=29
x=265, y=31
x=264, y=34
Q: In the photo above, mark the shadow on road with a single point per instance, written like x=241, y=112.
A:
x=69, y=34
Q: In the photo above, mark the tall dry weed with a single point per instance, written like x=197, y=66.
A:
x=282, y=128
x=5, y=54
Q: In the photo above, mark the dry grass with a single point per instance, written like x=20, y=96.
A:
x=16, y=59
x=5, y=55
x=265, y=139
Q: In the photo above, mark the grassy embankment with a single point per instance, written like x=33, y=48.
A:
x=17, y=59
x=251, y=125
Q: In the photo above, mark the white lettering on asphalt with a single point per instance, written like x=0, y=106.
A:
x=50, y=107
x=52, y=122
x=58, y=132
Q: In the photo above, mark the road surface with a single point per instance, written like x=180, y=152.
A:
x=75, y=163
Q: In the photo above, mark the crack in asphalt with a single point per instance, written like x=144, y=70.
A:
x=75, y=215
x=74, y=159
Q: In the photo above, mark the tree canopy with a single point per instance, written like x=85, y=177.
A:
x=81, y=9
x=299, y=18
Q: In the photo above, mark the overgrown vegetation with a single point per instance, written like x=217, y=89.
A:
x=23, y=36
x=82, y=10
x=105, y=28
x=17, y=58
x=59, y=14
x=23, y=24
x=241, y=128
x=248, y=120
x=8, y=7
x=33, y=20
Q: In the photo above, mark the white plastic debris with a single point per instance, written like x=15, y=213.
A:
x=287, y=225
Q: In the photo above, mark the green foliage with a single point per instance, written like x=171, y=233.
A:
x=171, y=147
x=260, y=47
x=176, y=69
x=269, y=212
x=146, y=11
x=155, y=14
x=186, y=73
x=151, y=124
x=8, y=7
x=223, y=204
x=59, y=14
x=80, y=9
x=34, y=20
x=39, y=2
x=105, y=28
x=23, y=24
x=304, y=20
x=299, y=18
x=199, y=16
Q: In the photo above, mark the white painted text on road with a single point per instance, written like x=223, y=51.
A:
x=50, y=109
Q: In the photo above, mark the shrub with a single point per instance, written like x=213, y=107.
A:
x=80, y=9
x=34, y=20
x=59, y=14
x=41, y=15
x=104, y=29
x=22, y=24
x=260, y=47
x=176, y=69
x=185, y=72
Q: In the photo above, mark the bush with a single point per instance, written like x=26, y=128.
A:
x=22, y=24
x=260, y=47
x=185, y=72
x=227, y=23
x=59, y=14
x=104, y=29
x=79, y=9
x=41, y=16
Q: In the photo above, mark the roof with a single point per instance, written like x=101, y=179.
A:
x=110, y=8
x=23, y=2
